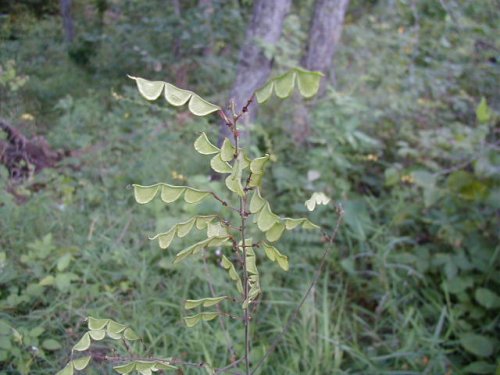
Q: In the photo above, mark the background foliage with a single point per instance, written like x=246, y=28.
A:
x=406, y=139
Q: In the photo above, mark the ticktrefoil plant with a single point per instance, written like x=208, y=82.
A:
x=240, y=243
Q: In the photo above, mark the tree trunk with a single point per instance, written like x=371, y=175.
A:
x=324, y=35
x=253, y=66
x=68, y=26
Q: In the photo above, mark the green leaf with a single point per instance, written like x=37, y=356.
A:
x=151, y=90
x=125, y=369
x=145, y=194
x=194, y=195
x=64, y=261
x=200, y=107
x=51, y=344
x=233, y=181
x=216, y=230
x=317, y=198
x=97, y=335
x=187, y=252
x=130, y=335
x=184, y=228
x=97, y=324
x=171, y=193
x=165, y=239
x=233, y=275
x=257, y=165
x=204, y=146
x=81, y=363
x=164, y=366
x=479, y=367
x=113, y=335
x=274, y=255
x=68, y=370
x=176, y=96
x=292, y=223
x=307, y=224
x=83, y=344
x=143, y=366
x=266, y=218
x=227, y=150
x=274, y=234
x=191, y=321
x=478, y=345
x=284, y=84
x=308, y=82
x=203, y=221
x=265, y=92
x=251, y=263
x=115, y=327
x=487, y=298
x=220, y=165
x=205, y=302
x=256, y=202
x=483, y=112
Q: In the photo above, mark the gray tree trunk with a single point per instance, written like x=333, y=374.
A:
x=68, y=26
x=253, y=66
x=324, y=35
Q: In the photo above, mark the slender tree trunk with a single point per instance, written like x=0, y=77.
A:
x=324, y=35
x=68, y=26
x=253, y=66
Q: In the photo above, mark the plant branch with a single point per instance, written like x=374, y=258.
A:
x=295, y=312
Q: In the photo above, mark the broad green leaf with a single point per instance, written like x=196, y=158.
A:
x=481, y=367
x=184, y=228
x=125, y=369
x=292, y=223
x=265, y=92
x=308, y=82
x=307, y=224
x=97, y=335
x=175, y=95
x=68, y=370
x=233, y=181
x=97, y=324
x=216, y=230
x=145, y=194
x=207, y=316
x=81, y=363
x=257, y=165
x=200, y=107
x=274, y=234
x=115, y=327
x=130, y=335
x=227, y=150
x=283, y=85
x=194, y=195
x=256, y=202
x=83, y=344
x=114, y=335
x=256, y=179
x=183, y=254
x=251, y=264
x=204, y=146
x=220, y=165
x=202, y=221
x=151, y=90
x=483, y=112
x=479, y=345
x=217, y=241
x=164, y=366
x=143, y=366
x=487, y=298
x=191, y=321
x=266, y=218
x=171, y=193
x=51, y=344
x=233, y=275
x=205, y=302
x=283, y=262
x=274, y=255
x=165, y=239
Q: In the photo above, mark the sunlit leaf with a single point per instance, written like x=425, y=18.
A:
x=308, y=82
x=307, y=224
x=204, y=146
x=256, y=179
x=184, y=228
x=292, y=223
x=191, y=321
x=170, y=193
x=115, y=327
x=283, y=85
x=220, y=165
x=165, y=239
x=144, y=366
x=68, y=370
x=256, y=202
x=81, y=363
x=317, y=198
x=251, y=264
x=275, y=233
x=151, y=90
x=194, y=195
x=274, y=255
x=257, y=165
x=227, y=150
x=483, y=111
x=233, y=275
x=97, y=324
x=216, y=230
x=265, y=92
x=266, y=218
x=202, y=221
x=200, y=107
x=114, y=335
x=130, y=335
x=125, y=369
x=97, y=335
x=145, y=194
x=233, y=181
x=176, y=96
x=164, y=366
x=83, y=344
x=205, y=302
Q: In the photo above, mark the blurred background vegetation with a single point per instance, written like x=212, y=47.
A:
x=406, y=137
